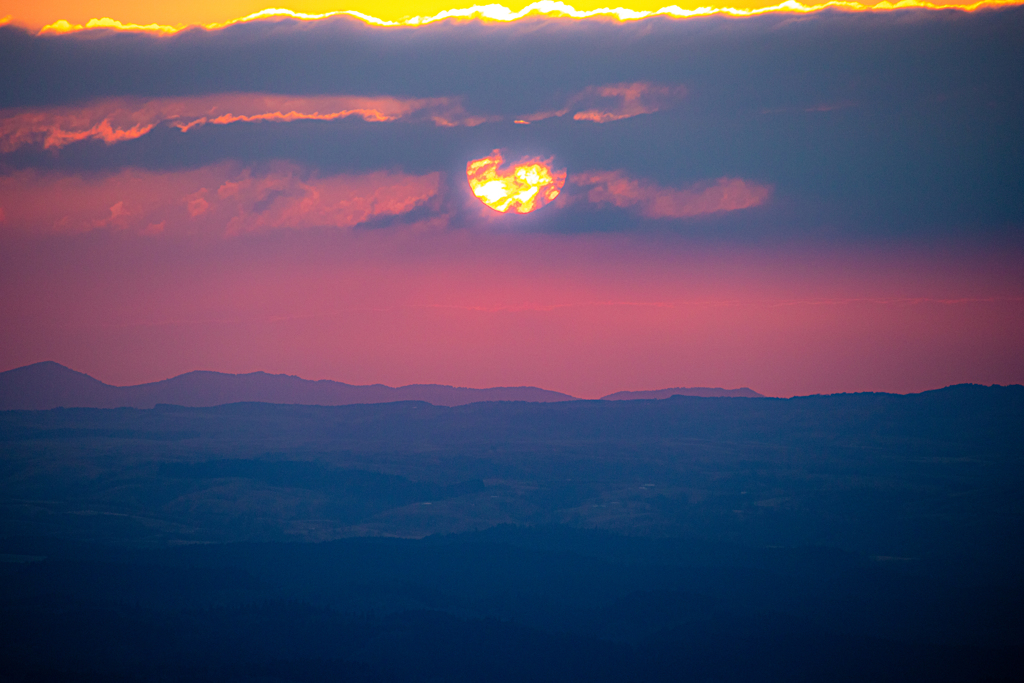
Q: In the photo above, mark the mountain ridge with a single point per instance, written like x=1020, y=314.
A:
x=703, y=392
x=48, y=384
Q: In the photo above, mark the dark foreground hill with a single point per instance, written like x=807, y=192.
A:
x=46, y=385
x=824, y=538
x=923, y=476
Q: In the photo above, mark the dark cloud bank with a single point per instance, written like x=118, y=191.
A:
x=884, y=124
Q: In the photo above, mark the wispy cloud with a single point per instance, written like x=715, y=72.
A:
x=113, y=120
x=613, y=102
x=221, y=199
x=654, y=201
x=117, y=119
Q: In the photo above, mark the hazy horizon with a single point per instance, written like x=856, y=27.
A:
x=317, y=379
x=508, y=386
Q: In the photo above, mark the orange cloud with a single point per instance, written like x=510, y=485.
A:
x=654, y=201
x=221, y=199
x=613, y=102
x=116, y=119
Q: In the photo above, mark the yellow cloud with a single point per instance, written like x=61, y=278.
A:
x=168, y=16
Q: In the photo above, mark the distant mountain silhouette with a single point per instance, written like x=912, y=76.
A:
x=46, y=385
x=682, y=391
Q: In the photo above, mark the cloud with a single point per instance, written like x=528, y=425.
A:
x=117, y=119
x=284, y=199
x=621, y=101
x=931, y=145
x=769, y=53
x=494, y=13
x=653, y=201
x=125, y=118
x=613, y=102
x=222, y=199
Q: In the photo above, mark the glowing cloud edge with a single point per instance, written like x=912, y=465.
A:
x=543, y=8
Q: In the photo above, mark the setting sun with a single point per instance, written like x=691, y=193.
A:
x=521, y=187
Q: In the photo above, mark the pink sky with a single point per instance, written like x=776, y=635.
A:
x=584, y=314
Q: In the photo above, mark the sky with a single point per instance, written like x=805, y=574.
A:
x=796, y=200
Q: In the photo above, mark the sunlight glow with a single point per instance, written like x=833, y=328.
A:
x=543, y=8
x=522, y=187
